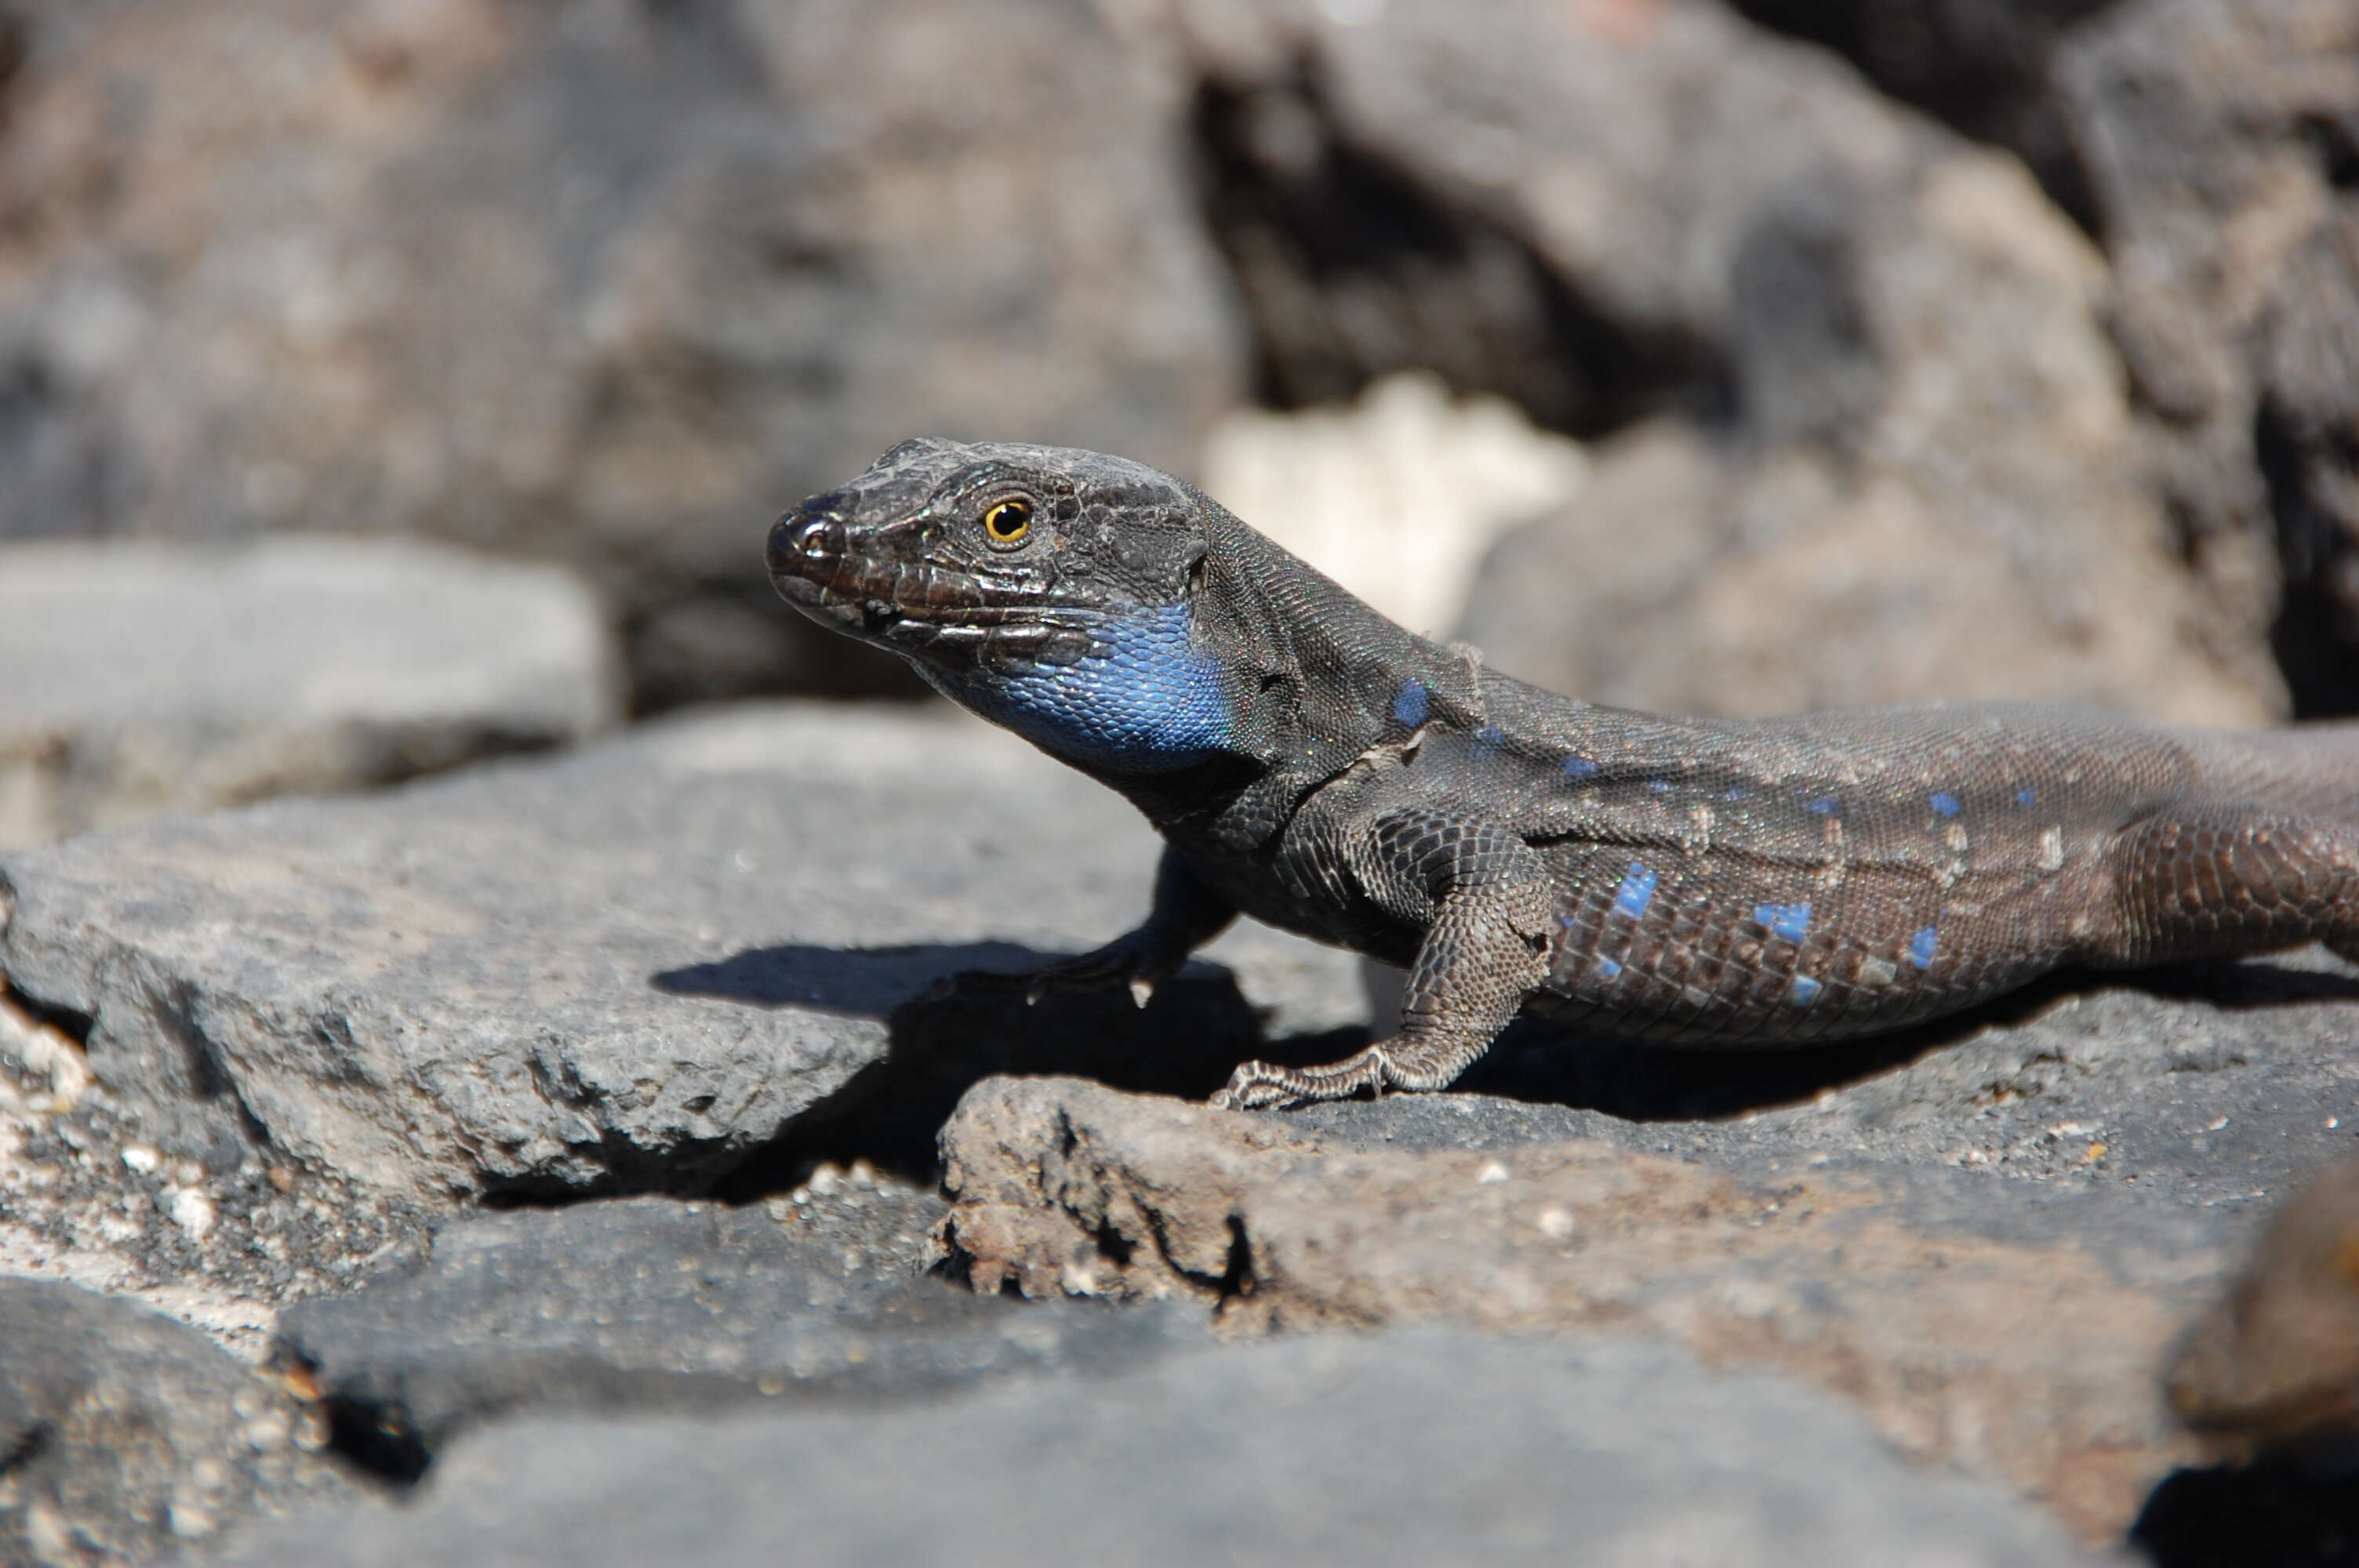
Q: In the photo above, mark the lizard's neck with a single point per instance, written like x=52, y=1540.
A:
x=1147, y=700
x=1262, y=679
x=1334, y=677
x=1314, y=679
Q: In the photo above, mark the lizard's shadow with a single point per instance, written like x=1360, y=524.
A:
x=944, y=1034
x=1539, y=1062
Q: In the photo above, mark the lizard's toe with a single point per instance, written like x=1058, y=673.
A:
x=1256, y=1085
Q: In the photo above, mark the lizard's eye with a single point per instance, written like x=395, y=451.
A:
x=1007, y=521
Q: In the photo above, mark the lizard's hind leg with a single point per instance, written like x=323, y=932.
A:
x=2222, y=880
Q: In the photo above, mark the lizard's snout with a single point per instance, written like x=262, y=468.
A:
x=813, y=534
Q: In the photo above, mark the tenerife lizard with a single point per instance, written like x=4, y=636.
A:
x=1725, y=883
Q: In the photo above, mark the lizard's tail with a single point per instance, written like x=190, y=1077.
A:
x=2308, y=768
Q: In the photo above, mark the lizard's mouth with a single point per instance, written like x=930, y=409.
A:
x=863, y=585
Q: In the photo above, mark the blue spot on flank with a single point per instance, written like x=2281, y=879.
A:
x=1946, y=804
x=1580, y=768
x=1803, y=992
x=2026, y=797
x=1823, y=805
x=1411, y=705
x=1151, y=702
x=1660, y=786
x=1790, y=921
x=1608, y=969
x=1490, y=735
x=1920, y=948
x=1636, y=891
x=1738, y=792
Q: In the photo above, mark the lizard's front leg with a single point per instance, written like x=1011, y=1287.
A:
x=1487, y=899
x=1186, y=914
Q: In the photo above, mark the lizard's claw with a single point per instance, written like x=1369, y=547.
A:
x=1255, y=1085
x=1130, y=961
x=1246, y=1092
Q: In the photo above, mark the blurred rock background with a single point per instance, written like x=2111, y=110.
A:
x=1929, y=347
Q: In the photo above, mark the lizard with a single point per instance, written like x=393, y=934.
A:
x=1717, y=882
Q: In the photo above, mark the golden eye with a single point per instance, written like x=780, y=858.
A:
x=1007, y=521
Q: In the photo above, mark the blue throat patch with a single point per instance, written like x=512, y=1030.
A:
x=1151, y=704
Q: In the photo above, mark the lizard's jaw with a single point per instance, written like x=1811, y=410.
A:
x=871, y=584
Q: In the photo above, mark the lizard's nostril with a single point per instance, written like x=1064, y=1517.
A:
x=798, y=538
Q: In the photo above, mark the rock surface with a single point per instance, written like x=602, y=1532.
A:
x=145, y=677
x=631, y=967
x=127, y=1436
x=1986, y=67
x=1706, y=574
x=612, y=282
x=2007, y=1330
x=650, y=1303
x=1902, y=540
x=1918, y=474
x=1547, y=202
x=2276, y=1364
x=2216, y=1086
x=1418, y=1446
x=2222, y=146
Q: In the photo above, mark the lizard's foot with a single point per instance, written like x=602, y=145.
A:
x=1135, y=959
x=1258, y=1085
x=1403, y=1063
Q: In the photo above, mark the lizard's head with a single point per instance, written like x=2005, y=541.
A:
x=1046, y=588
x=994, y=556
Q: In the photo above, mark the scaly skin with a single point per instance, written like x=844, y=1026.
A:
x=1683, y=881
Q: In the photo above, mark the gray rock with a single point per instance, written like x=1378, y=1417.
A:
x=1912, y=508
x=2009, y=1330
x=1577, y=206
x=1415, y=1446
x=146, y=677
x=1542, y=201
x=1982, y=65
x=647, y=1302
x=2274, y=1364
x=2214, y=1086
x=610, y=283
x=124, y=1435
x=631, y=967
x=2222, y=142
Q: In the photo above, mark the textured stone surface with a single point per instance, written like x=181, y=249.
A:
x=2008, y=1330
x=2276, y=1363
x=145, y=677
x=2222, y=146
x=1921, y=476
x=645, y=1303
x=126, y=1436
x=1418, y=1446
x=1544, y=201
x=608, y=282
x=629, y=968
x=1913, y=504
x=1983, y=66
x=2216, y=1086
